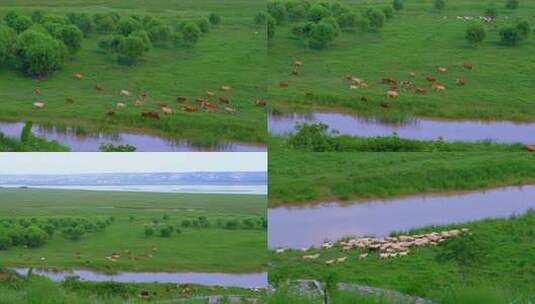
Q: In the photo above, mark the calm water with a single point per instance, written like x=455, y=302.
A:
x=311, y=225
x=250, y=280
x=144, y=143
x=216, y=189
x=421, y=129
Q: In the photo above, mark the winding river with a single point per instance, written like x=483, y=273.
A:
x=420, y=129
x=298, y=227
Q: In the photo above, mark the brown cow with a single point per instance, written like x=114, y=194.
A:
x=283, y=84
x=98, y=87
x=78, y=76
x=298, y=63
x=138, y=103
x=210, y=93
x=153, y=115
x=384, y=105
x=225, y=88
x=201, y=100
x=431, y=78
x=364, y=98
x=181, y=98
x=163, y=105
x=421, y=91
x=210, y=107
x=37, y=91
x=224, y=99
x=437, y=86
x=189, y=108
x=261, y=103
x=461, y=82
x=390, y=81
x=69, y=100
x=468, y=66
x=531, y=148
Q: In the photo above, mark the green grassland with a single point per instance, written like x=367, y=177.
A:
x=417, y=39
x=494, y=266
x=232, y=53
x=301, y=177
x=212, y=249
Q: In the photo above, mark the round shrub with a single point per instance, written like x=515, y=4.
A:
x=296, y=10
x=204, y=25
x=73, y=233
x=510, y=36
x=260, y=18
x=144, y=36
x=177, y=38
x=271, y=24
x=128, y=25
x=475, y=33
x=149, y=231
x=376, y=18
x=131, y=49
x=38, y=53
x=277, y=10
x=318, y=12
x=214, y=18
x=35, y=236
x=38, y=16
x=83, y=21
x=166, y=231
x=302, y=30
x=22, y=23
x=159, y=33
x=5, y=240
x=524, y=29
x=388, y=12
x=7, y=39
x=512, y=4
x=72, y=37
x=190, y=33
x=440, y=4
x=398, y=5
x=11, y=17
x=337, y=9
x=105, y=23
x=322, y=34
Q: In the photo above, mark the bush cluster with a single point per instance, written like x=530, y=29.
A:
x=35, y=233
x=319, y=24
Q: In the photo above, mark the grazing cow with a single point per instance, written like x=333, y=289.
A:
x=330, y=262
x=163, y=105
x=461, y=82
x=261, y=103
x=153, y=115
x=311, y=257
x=69, y=100
x=110, y=113
x=348, y=77
x=353, y=87
x=210, y=108
x=225, y=88
x=437, y=86
x=390, y=81
x=363, y=256
x=412, y=74
x=125, y=93
x=431, y=78
x=230, y=110
x=39, y=105
x=279, y=251
x=99, y=88
x=167, y=110
x=189, y=108
x=138, y=103
x=364, y=98
x=78, y=76
x=407, y=85
x=37, y=91
x=384, y=105
x=283, y=84
x=421, y=91
x=224, y=99
x=341, y=260
x=298, y=63
x=201, y=100
x=442, y=69
x=392, y=94
x=210, y=93
x=121, y=105
x=143, y=96
x=181, y=98
x=530, y=148
x=468, y=66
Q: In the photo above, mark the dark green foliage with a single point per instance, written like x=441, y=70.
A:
x=38, y=16
x=21, y=24
x=72, y=37
x=160, y=33
x=277, y=10
x=260, y=18
x=204, y=25
x=398, y=5
x=376, y=18
x=348, y=21
x=466, y=251
x=388, y=12
x=166, y=231
x=74, y=233
x=510, y=36
x=312, y=137
x=35, y=236
x=190, y=33
x=317, y=13
x=7, y=39
x=440, y=4
x=271, y=25
x=523, y=28
x=5, y=240
x=128, y=25
x=296, y=10
x=11, y=17
x=322, y=34
x=39, y=54
x=214, y=18
x=476, y=33
x=512, y=4
x=131, y=50
x=105, y=23
x=83, y=21
x=149, y=231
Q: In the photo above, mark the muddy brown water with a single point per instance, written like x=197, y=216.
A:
x=248, y=280
x=420, y=129
x=298, y=227
x=143, y=142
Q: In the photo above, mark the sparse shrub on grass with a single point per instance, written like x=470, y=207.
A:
x=190, y=33
x=311, y=137
x=39, y=54
x=186, y=223
x=523, y=28
x=128, y=25
x=510, y=36
x=131, y=50
x=214, y=18
x=277, y=10
x=159, y=33
x=271, y=24
x=512, y=4
x=232, y=225
x=73, y=233
x=166, y=231
x=322, y=34
x=440, y=4
x=72, y=37
x=348, y=21
x=105, y=23
x=149, y=231
x=260, y=19
x=317, y=13
x=398, y=5
x=204, y=25
x=35, y=236
x=83, y=21
x=376, y=19
x=388, y=12
x=476, y=33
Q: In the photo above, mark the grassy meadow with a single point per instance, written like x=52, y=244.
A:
x=194, y=249
x=494, y=265
x=232, y=53
x=301, y=177
x=418, y=39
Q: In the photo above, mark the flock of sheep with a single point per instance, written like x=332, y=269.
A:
x=209, y=102
x=388, y=247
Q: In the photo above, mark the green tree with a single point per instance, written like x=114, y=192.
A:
x=72, y=37
x=22, y=23
x=376, y=18
x=260, y=18
x=317, y=13
x=204, y=25
x=398, y=5
x=5, y=239
x=149, y=231
x=128, y=25
x=512, y=4
x=190, y=33
x=37, y=16
x=322, y=34
x=440, y=4
x=83, y=21
x=35, y=236
x=475, y=33
x=131, y=50
x=348, y=21
x=7, y=39
x=277, y=10
x=38, y=53
x=510, y=35
x=214, y=18
x=271, y=25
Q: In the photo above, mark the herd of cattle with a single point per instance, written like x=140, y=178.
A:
x=210, y=102
x=388, y=247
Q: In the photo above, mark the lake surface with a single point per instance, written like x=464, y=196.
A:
x=215, y=189
x=249, y=280
x=420, y=129
x=78, y=142
x=297, y=227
